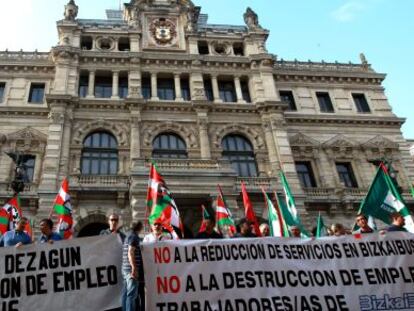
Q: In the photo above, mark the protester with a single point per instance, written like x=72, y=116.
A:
x=397, y=223
x=131, y=268
x=16, y=237
x=113, y=221
x=157, y=233
x=47, y=234
x=245, y=229
x=362, y=222
x=338, y=230
x=209, y=233
x=295, y=232
x=264, y=229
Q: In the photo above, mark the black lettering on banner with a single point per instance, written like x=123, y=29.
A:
x=9, y=306
x=30, y=265
x=189, y=286
x=335, y=303
x=350, y=250
x=57, y=287
x=274, y=251
x=35, y=284
x=10, y=288
x=177, y=256
x=210, y=284
x=350, y=277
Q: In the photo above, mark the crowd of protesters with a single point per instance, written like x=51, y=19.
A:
x=133, y=292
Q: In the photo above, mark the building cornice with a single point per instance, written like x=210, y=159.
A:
x=292, y=118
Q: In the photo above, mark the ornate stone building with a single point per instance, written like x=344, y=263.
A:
x=208, y=102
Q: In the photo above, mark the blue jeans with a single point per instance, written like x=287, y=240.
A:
x=129, y=293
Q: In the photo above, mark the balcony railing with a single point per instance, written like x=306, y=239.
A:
x=257, y=183
x=190, y=164
x=106, y=182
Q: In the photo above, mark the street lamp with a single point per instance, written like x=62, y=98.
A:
x=20, y=171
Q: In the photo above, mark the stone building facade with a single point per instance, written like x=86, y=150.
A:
x=208, y=102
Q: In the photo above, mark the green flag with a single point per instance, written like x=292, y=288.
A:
x=412, y=190
x=321, y=230
x=383, y=199
x=277, y=224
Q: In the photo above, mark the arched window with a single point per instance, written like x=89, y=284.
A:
x=168, y=145
x=100, y=154
x=239, y=151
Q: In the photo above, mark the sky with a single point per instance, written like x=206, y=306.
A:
x=329, y=30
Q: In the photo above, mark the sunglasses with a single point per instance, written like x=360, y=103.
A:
x=113, y=219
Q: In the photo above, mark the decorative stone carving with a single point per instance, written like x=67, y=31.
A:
x=27, y=139
x=118, y=129
x=252, y=133
x=189, y=133
x=339, y=141
x=71, y=11
x=163, y=31
x=251, y=19
x=303, y=140
x=56, y=117
x=380, y=142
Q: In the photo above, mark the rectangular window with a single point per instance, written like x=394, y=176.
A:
x=305, y=174
x=103, y=87
x=2, y=88
x=325, y=102
x=346, y=174
x=166, y=89
x=287, y=97
x=227, y=92
x=208, y=89
x=203, y=48
x=245, y=91
x=30, y=166
x=185, y=89
x=83, y=86
x=361, y=103
x=146, y=87
x=37, y=93
x=123, y=87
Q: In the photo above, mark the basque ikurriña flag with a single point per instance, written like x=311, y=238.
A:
x=224, y=221
x=4, y=221
x=63, y=210
x=206, y=216
x=14, y=210
x=161, y=204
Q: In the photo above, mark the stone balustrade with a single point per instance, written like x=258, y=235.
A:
x=20, y=55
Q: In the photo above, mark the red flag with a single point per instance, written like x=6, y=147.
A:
x=249, y=211
x=206, y=216
x=63, y=210
x=4, y=221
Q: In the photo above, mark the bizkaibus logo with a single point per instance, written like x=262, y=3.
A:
x=386, y=302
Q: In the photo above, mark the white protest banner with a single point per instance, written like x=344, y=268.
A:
x=80, y=274
x=373, y=272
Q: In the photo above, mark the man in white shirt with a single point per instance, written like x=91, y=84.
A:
x=156, y=234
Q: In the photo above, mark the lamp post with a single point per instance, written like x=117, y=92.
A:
x=20, y=174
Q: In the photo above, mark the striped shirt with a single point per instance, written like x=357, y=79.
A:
x=132, y=240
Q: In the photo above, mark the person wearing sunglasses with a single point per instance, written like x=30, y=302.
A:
x=113, y=222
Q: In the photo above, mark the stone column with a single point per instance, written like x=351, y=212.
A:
x=67, y=135
x=91, y=85
x=239, y=94
x=154, y=86
x=115, y=85
x=215, y=87
x=135, y=135
x=271, y=148
x=204, y=139
x=177, y=84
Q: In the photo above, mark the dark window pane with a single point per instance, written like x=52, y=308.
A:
x=103, y=87
x=325, y=102
x=208, y=89
x=239, y=152
x=37, y=92
x=166, y=89
x=2, y=88
x=169, y=146
x=245, y=91
x=346, y=175
x=99, y=154
x=361, y=103
x=287, y=97
x=305, y=174
x=226, y=91
x=83, y=86
x=185, y=89
x=146, y=87
x=123, y=87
